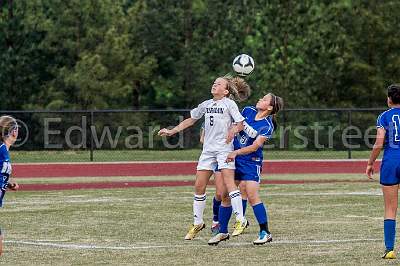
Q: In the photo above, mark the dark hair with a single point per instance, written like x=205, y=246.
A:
x=277, y=105
x=393, y=92
x=7, y=125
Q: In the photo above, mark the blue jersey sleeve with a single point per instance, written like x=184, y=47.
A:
x=248, y=110
x=268, y=129
x=381, y=121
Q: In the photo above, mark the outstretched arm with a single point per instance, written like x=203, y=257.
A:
x=188, y=122
x=202, y=136
x=376, y=150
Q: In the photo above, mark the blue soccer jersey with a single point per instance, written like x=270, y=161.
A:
x=249, y=166
x=5, y=171
x=252, y=129
x=390, y=167
x=390, y=121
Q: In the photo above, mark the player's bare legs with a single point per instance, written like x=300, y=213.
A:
x=199, y=203
x=251, y=189
x=202, y=178
x=242, y=188
x=390, y=196
x=219, y=185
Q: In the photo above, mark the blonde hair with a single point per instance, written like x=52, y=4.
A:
x=238, y=88
x=7, y=125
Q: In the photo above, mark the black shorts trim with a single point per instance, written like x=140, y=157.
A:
x=385, y=184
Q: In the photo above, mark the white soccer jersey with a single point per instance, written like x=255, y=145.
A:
x=219, y=116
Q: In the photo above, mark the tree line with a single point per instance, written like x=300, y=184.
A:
x=117, y=54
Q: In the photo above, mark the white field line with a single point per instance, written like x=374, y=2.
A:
x=94, y=247
x=134, y=199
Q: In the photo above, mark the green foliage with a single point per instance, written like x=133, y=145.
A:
x=148, y=53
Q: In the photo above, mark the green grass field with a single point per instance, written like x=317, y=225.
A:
x=169, y=155
x=332, y=223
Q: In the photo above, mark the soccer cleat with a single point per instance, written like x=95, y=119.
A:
x=194, y=230
x=263, y=238
x=389, y=254
x=239, y=227
x=214, y=229
x=218, y=238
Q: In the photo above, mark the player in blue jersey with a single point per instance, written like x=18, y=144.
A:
x=388, y=137
x=223, y=121
x=259, y=125
x=8, y=135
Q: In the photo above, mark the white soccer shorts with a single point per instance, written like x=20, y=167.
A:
x=211, y=160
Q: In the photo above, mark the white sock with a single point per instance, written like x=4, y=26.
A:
x=237, y=207
x=199, y=204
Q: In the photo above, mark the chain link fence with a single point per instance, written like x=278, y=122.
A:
x=131, y=135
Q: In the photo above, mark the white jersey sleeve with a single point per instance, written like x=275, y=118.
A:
x=234, y=111
x=199, y=111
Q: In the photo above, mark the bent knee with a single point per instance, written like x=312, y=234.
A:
x=200, y=188
x=218, y=196
x=253, y=199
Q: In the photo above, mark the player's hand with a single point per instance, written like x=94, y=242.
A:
x=369, y=171
x=166, y=132
x=13, y=186
x=231, y=157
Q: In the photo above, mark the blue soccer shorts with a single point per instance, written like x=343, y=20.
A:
x=247, y=171
x=390, y=172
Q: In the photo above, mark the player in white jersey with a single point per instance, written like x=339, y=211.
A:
x=222, y=121
x=219, y=189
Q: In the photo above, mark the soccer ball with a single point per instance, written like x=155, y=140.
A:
x=243, y=65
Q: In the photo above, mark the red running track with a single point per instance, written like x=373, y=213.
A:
x=178, y=168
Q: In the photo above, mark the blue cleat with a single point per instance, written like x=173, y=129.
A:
x=263, y=238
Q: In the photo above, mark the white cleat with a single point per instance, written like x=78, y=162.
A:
x=218, y=238
x=263, y=238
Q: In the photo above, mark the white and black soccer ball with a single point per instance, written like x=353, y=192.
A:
x=243, y=64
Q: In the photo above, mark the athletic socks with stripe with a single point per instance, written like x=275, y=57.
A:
x=199, y=204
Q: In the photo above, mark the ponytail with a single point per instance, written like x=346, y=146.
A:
x=277, y=105
x=274, y=123
x=238, y=88
x=7, y=125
